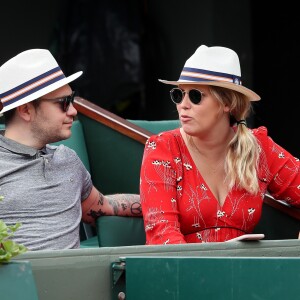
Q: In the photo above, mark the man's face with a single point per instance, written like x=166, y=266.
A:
x=50, y=123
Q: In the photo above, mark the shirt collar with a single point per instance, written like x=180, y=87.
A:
x=16, y=147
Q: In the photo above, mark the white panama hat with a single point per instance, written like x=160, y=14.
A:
x=28, y=76
x=217, y=66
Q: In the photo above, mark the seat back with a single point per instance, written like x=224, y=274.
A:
x=116, y=231
x=157, y=126
x=114, y=158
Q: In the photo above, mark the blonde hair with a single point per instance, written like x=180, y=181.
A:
x=241, y=163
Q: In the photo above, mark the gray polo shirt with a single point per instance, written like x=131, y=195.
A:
x=43, y=190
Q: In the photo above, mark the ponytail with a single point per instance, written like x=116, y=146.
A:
x=241, y=163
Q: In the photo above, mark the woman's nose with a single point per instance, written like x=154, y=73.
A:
x=186, y=102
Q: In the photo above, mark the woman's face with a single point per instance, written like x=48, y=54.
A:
x=204, y=118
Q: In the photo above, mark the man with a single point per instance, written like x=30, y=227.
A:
x=45, y=187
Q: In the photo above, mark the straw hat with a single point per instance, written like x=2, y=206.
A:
x=217, y=66
x=28, y=76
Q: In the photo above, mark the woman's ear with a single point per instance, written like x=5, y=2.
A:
x=226, y=109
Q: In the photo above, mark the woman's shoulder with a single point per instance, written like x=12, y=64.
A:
x=262, y=135
x=165, y=139
x=260, y=131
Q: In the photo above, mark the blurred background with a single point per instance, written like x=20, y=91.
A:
x=124, y=46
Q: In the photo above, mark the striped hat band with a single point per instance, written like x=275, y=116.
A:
x=198, y=75
x=31, y=86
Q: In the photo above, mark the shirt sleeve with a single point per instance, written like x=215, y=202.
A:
x=84, y=177
x=282, y=172
x=158, y=190
x=87, y=183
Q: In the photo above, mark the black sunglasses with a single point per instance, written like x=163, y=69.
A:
x=178, y=94
x=65, y=101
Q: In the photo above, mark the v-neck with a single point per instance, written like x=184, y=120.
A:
x=200, y=175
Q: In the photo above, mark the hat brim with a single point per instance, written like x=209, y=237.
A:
x=42, y=92
x=252, y=96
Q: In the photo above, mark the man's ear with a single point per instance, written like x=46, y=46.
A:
x=25, y=111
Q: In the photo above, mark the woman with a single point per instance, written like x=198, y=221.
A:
x=205, y=181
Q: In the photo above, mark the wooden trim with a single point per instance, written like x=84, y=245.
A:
x=111, y=120
x=139, y=134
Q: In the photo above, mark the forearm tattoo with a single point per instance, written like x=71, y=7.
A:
x=125, y=204
x=100, y=212
x=101, y=198
x=116, y=205
x=96, y=214
x=136, y=208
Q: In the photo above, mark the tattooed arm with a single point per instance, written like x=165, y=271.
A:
x=97, y=205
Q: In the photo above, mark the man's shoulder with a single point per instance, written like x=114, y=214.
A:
x=58, y=146
x=60, y=149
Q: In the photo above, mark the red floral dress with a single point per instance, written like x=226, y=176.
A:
x=178, y=206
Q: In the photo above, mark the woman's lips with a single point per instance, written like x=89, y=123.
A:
x=185, y=118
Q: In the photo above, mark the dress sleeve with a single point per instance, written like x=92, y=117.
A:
x=282, y=171
x=158, y=190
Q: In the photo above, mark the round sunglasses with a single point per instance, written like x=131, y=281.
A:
x=178, y=94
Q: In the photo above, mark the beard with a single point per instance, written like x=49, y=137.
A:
x=47, y=132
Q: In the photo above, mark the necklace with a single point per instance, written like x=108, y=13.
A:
x=212, y=170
